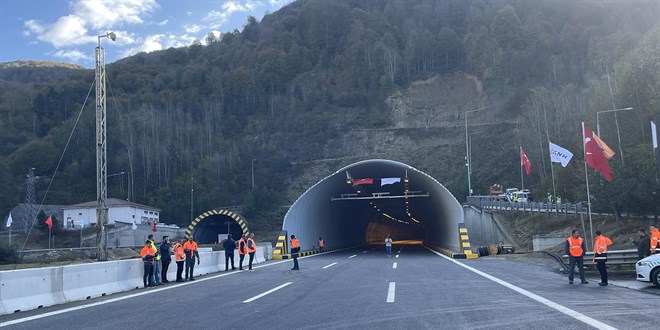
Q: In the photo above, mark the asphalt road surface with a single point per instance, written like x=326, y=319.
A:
x=364, y=289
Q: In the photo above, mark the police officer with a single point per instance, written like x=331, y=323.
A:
x=575, y=248
x=295, y=249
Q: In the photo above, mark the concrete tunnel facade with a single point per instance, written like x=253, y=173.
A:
x=417, y=207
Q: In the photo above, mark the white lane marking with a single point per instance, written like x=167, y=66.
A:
x=148, y=291
x=390, y=292
x=365, y=251
x=394, y=266
x=574, y=314
x=266, y=293
x=330, y=265
x=396, y=256
x=353, y=256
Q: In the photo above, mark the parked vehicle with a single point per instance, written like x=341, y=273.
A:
x=648, y=269
x=509, y=193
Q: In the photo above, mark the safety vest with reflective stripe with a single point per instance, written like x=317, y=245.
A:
x=241, y=246
x=191, y=246
x=295, y=243
x=655, y=240
x=600, y=247
x=575, y=246
x=179, y=255
x=251, y=246
x=147, y=250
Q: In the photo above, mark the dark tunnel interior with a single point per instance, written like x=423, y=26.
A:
x=365, y=201
x=207, y=230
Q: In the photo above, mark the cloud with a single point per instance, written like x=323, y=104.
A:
x=148, y=44
x=72, y=55
x=192, y=28
x=112, y=13
x=72, y=30
x=162, y=23
x=216, y=18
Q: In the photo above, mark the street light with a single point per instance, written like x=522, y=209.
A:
x=121, y=183
x=470, y=155
x=253, y=173
x=467, y=149
x=616, y=121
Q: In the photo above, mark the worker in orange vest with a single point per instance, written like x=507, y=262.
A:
x=148, y=254
x=190, y=248
x=242, y=250
x=600, y=256
x=655, y=239
x=321, y=244
x=180, y=258
x=575, y=248
x=295, y=249
x=251, y=250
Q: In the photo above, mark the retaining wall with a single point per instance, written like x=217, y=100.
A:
x=27, y=289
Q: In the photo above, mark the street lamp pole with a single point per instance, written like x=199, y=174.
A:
x=467, y=149
x=616, y=121
x=253, y=173
x=101, y=160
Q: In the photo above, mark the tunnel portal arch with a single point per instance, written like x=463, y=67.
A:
x=206, y=227
x=344, y=213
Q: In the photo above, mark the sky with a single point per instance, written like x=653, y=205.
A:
x=67, y=31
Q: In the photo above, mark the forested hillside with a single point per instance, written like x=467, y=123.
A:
x=320, y=84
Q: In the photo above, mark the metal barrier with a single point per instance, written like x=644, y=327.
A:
x=617, y=257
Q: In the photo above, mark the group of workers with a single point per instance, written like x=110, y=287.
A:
x=575, y=248
x=157, y=260
x=244, y=246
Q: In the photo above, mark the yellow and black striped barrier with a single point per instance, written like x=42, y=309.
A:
x=465, y=247
x=281, y=247
x=235, y=216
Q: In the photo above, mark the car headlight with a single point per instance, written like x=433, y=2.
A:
x=643, y=263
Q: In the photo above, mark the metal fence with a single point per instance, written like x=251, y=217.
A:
x=495, y=203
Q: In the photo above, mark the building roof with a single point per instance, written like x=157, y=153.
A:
x=110, y=202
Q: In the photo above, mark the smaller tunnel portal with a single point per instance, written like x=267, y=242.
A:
x=212, y=226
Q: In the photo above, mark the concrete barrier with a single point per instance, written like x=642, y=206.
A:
x=80, y=282
x=27, y=289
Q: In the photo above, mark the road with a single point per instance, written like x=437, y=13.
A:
x=364, y=289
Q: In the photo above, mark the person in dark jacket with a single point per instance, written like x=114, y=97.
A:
x=165, y=258
x=643, y=244
x=229, y=245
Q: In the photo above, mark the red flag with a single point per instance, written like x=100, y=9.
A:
x=49, y=222
x=594, y=156
x=363, y=181
x=153, y=228
x=524, y=161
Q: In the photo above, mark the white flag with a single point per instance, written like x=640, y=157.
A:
x=134, y=226
x=654, y=134
x=385, y=181
x=559, y=154
x=9, y=221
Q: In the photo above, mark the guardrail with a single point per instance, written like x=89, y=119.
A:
x=616, y=257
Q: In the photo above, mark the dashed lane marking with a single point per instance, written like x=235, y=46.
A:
x=266, y=293
x=390, y=292
x=574, y=314
x=330, y=265
x=144, y=292
x=353, y=256
x=396, y=256
x=394, y=265
x=365, y=251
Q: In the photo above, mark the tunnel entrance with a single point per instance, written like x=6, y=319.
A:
x=207, y=227
x=367, y=200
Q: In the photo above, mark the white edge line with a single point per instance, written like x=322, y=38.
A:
x=390, y=292
x=266, y=293
x=574, y=314
x=148, y=291
x=353, y=256
x=330, y=265
x=394, y=265
x=396, y=256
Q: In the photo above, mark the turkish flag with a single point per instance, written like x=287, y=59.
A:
x=49, y=222
x=524, y=161
x=363, y=181
x=594, y=156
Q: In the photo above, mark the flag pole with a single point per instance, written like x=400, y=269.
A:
x=9, y=235
x=586, y=176
x=522, y=180
x=49, y=238
x=552, y=171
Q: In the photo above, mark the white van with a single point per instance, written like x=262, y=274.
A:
x=522, y=196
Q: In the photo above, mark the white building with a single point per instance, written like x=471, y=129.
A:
x=119, y=211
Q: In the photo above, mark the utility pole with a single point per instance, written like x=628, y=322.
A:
x=101, y=160
x=30, y=194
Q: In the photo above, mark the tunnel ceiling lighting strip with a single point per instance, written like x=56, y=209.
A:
x=406, y=190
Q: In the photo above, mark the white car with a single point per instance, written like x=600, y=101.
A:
x=648, y=269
